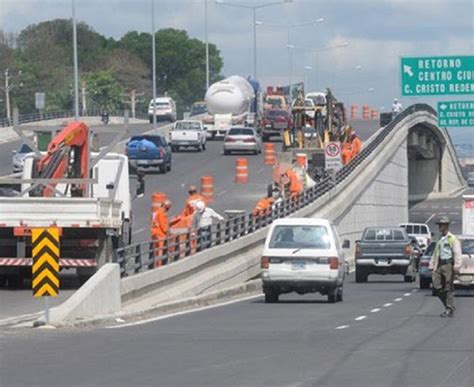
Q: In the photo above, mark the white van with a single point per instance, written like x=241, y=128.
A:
x=165, y=109
x=303, y=255
x=421, y=231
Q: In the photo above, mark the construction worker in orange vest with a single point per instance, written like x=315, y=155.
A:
x=263, y=206
x=356, y=144
x=296, y=185
x=160, y=228
x=189, y=208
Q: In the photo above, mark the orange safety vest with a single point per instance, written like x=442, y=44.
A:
x=356, y=147
x=159, y=224
x=189, y=208
x=346, y=152
x=296, y=186
x=263, y=206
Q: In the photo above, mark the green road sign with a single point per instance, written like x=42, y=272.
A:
x=456, y=113
x=440, y=75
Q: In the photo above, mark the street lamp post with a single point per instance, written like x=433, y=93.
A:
x=7, y=88
x=307, y=71
x=254, y=9
x=153, y=53
x=76, y=67
x=207, y=43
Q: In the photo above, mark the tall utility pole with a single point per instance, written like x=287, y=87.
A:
x=7, y=88
x=207, y=44
x=76, y=67
x=132, y=99
x=153, y=51
x=84, y=98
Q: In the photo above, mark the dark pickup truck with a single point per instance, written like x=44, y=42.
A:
x=385, y=250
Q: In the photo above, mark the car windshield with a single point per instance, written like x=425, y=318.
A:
x=318, y=99
x=308, y=103
x=277, y=113
x=198, y=109
x=187, y=125
x=415, y=229
x=303, y=237
x=274, y=102
x=383, y=234
x=25, y=149
x=467, y=246
x=160, y=104
x=240, y=131
x=156, y=140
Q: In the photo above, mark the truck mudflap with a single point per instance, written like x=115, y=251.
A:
x=63, y=262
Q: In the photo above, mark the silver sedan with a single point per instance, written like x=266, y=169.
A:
x=241, y=139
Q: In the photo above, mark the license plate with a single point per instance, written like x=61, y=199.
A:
x=144, y=162
x=465, y=278
x=184, y=143
x=268, y=126
x=298, y=265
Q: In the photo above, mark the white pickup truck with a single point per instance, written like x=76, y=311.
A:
x=90, y=227
x=188, y=134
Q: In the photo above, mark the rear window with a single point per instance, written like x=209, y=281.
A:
x=186, y=125
x=467, y=246
x=25, y=149
x=277, y=113
x=241, y=131
x=383, y=234
x=160, y=104
x=415, y=229
x=308, y=103
x=304, y=237
x=156, y=140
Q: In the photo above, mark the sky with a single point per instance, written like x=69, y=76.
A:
x=365, y=71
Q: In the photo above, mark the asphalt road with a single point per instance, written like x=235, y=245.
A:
x=386, y=333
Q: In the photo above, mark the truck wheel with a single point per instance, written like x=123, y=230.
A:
x=163, y=168
x=340, y=294
x=409, y=278
x=168, y=167
x=424, y=283
x=361, y=275
x=204, y=146
x=226, y=153
x=332, y=296
x=271, y=296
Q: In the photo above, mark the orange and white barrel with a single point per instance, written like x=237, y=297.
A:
x=373, y=114
x=241, y=170
x=302, y=160
x=156, y=199
x=365, y=112
x=269, y=153
x=207, y=188
x=354, y=109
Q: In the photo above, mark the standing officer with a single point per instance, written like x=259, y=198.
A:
x=445, y=262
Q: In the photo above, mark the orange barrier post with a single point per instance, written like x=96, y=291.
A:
x=156, y=199
x=354, y=111
x=302, y=160
x=269, y=156
x=373, y=114
x=365, y=112
x=207, y=188
x=241, y=170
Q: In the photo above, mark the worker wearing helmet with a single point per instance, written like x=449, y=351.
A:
x=356, y=145
x=194, y=196
x=347, y=145
x=202, y=221
x=160, y=229
x=263, y=207
x=396, y=107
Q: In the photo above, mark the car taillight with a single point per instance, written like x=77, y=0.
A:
x=358, y=251
x=334, y=263
x=265, y=263
x=162, y=152
x=407, y=250
x=249, y=140
x=229, y=139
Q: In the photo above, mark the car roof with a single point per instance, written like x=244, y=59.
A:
x=301, y=222
x=192, y=121
x=242, y=127
x=412, y=224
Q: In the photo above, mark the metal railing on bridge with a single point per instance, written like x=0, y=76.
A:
x=144, y=256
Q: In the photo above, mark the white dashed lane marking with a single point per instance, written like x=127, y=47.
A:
x=375, y=310
x=407, y=294
x=360, y=318
x=387, y=304
x=397, y=299
x=342, y=327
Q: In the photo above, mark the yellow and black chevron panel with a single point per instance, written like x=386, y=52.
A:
x=45, y=269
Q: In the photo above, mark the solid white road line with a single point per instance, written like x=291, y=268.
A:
x=375, y=310
x=158, y=318
x=360, y=318
x=342, y=327
x=387, y=305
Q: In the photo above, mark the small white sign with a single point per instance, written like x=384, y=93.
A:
x=40, y=101
x=333, y=157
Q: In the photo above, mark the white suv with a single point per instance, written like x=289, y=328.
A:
x=303, y=255
x=421, y=231
x=165, y=109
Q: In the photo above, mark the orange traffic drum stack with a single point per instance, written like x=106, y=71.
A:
x=269, y=157
x=241, y=170
x=354, y=111
x=365, y=112
x=156, y=199
x=207, y=188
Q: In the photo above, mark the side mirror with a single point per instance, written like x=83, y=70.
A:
x=140, y=185
x=346, y=244
x=14, y=152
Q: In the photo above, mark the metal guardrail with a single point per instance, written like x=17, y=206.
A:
x=140, y=257
x=35, y=117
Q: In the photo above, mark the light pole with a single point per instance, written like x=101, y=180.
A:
x=153, y=53
x=207, y=43
x=76, y=67
x=254, y=9
x=289, y=46
x=9, y=86
x=307, y=71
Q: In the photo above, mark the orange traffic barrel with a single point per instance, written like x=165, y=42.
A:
x=207, y=188
x=365, y=112
x=156, y=199
x=302, y=160
x=373, y=114
x=354, y=111
x=269, y=155
x=241, y=170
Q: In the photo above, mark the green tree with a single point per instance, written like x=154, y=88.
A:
x=104, y=90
